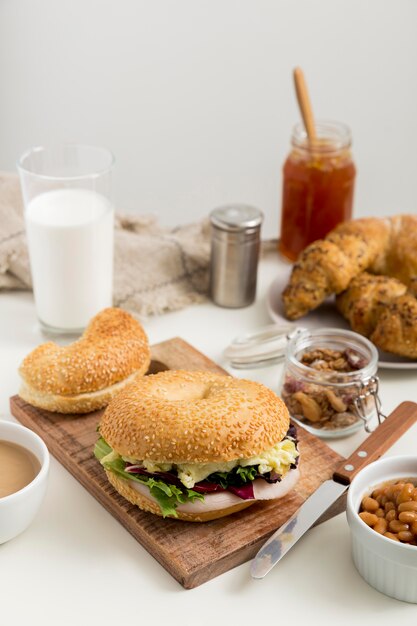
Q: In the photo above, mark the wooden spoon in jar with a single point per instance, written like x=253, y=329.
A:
x=305, y=104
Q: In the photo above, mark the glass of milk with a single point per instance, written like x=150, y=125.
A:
x=69, y=224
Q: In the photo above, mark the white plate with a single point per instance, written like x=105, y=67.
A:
x=325, y=315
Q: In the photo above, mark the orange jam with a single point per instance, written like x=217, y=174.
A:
x=318, y=187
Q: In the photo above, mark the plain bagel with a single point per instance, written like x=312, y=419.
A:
x=85, y=375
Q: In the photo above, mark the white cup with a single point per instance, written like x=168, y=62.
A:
x=69, y=223
x=18, y=509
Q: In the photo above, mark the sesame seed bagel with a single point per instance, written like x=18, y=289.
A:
x=198, y=417
x=83, y=376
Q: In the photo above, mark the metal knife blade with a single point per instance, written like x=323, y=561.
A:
x=288, y=534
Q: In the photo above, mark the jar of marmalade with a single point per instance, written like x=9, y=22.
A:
x=318, y=186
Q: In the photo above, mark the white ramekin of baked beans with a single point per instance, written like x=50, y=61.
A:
x=384, y=540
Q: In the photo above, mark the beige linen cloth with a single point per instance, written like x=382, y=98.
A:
x=155, y=269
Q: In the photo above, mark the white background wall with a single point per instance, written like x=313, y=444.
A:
x=195, y=97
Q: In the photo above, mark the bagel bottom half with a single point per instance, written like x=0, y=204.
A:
x=147, y=503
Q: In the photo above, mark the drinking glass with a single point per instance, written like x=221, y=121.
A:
x=69, y=221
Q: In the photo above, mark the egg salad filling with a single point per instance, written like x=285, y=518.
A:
x=277, y=459
x=171, y=484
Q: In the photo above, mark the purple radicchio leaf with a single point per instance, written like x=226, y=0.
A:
x=169, y=477
x=205, y=486
x=245, y=491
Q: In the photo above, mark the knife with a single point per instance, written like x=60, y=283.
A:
x=378, y=442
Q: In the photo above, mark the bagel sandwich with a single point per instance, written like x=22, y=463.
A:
x=197, y=446
x=84, y=375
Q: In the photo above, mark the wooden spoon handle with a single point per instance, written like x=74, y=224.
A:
x=304, y=103
x=378, y=442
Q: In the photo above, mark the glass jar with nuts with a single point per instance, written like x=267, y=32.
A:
x=329, y=381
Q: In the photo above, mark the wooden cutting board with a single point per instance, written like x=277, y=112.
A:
x=193, y=553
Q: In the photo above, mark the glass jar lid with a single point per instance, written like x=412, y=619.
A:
x=261, y=347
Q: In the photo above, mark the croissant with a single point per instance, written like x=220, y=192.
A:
x=380, y=308
x=327, y=266
x=396, y=330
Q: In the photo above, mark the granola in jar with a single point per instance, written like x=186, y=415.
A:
x=324, y=373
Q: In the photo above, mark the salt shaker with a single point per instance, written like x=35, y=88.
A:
x=235, y=244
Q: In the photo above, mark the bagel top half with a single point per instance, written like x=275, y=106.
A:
x=198, y=417
x=84, y=375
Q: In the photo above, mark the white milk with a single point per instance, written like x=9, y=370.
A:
x=70, y=236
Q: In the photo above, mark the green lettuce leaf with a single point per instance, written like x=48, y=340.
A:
x=101, y=449
x=236, y=477
x=167, y=496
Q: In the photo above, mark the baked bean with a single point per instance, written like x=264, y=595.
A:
x=405, y=494
x=368, y=518
x=391, y=492
x=408, y=517
x=396, y=526
x=369, y=504
x=391, y=511
x=407, y=506
x=391, y=515
x=381, y=526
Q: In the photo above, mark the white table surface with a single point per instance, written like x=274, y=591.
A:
x=78, y=565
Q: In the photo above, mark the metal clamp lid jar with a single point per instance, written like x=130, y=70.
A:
x=235, y=246
x=329, y=381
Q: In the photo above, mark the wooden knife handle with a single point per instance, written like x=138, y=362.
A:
x=378, y=442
